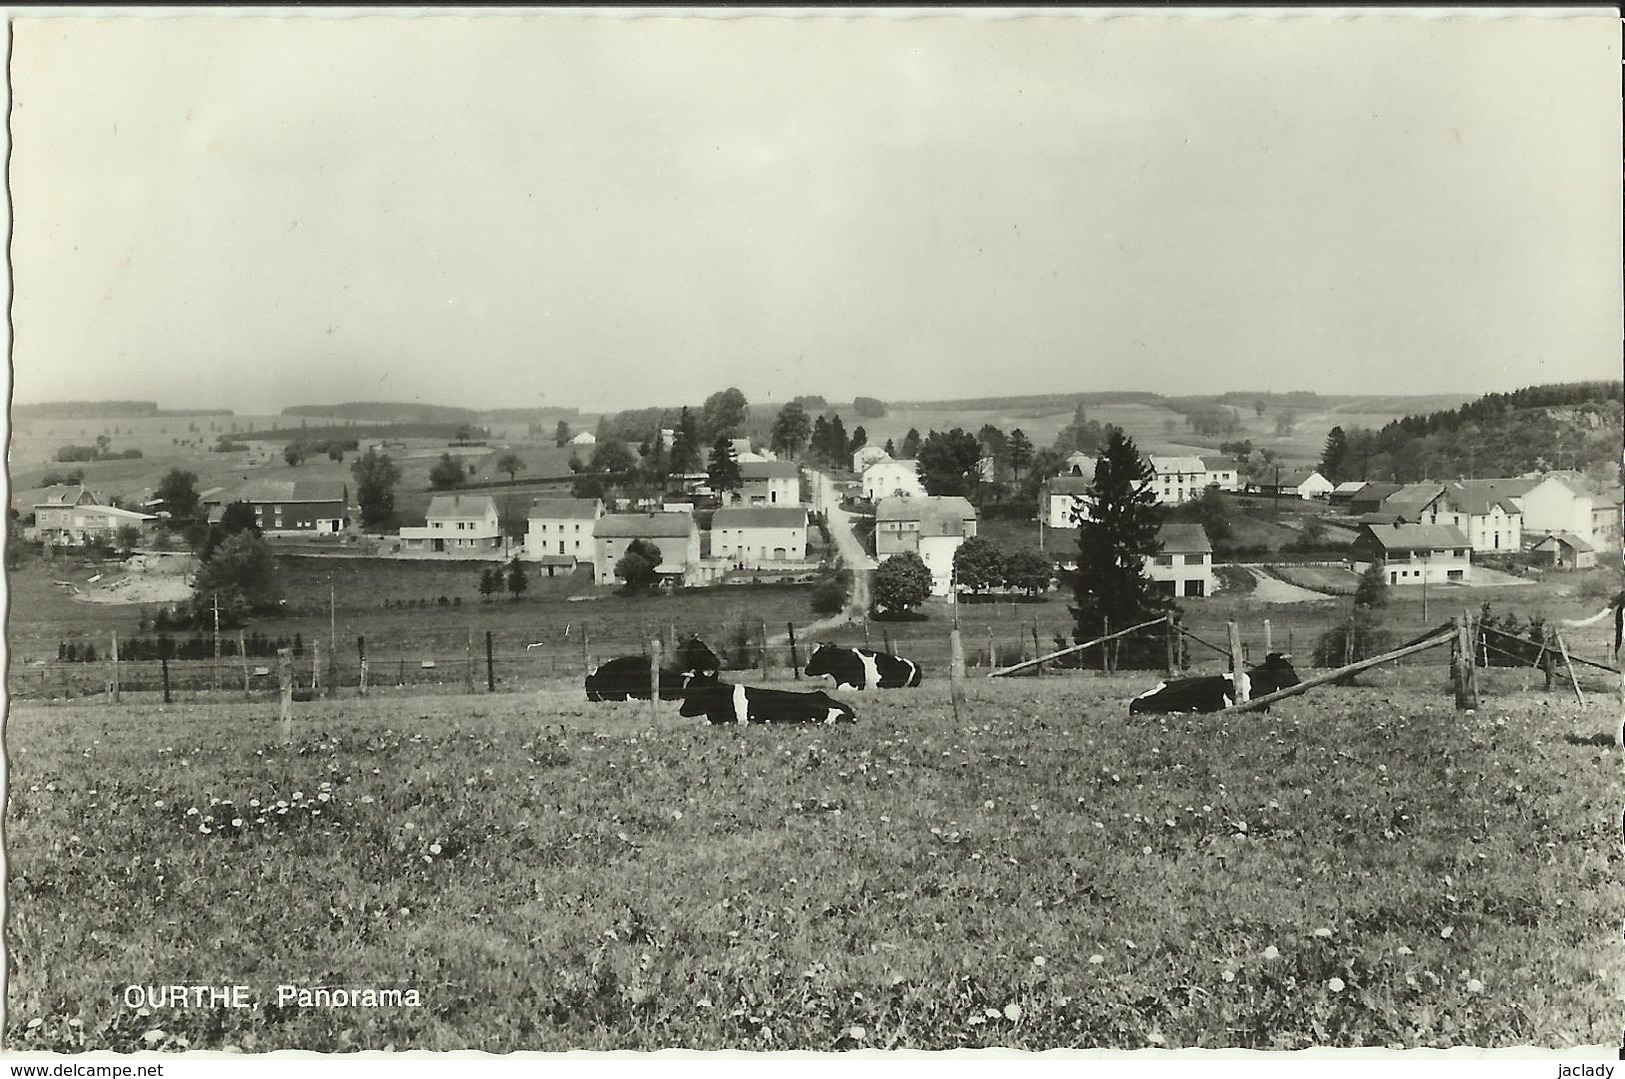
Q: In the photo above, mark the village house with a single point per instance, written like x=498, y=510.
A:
x=892, y=479
x=675, y=534
x=585, y=438
x=931, y=527
x=292, y=506
x=769, y=483
x=1177, y=479
x=1063, y=496
x=749, y=536
x=1567, y=551
x=53, y=509
x=1557, y=502
x=1414, y=553
x=558, y=532
x=864, y=456
x=1370, y=497
x=1299, y=483
x=1222, y=472
x=1079, y=463
x=457, y=524
x=71, y=514
x=1605, y=518
x=1343, y=495
x=1491, y=522
x=1185, y=566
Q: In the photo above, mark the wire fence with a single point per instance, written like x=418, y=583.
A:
x=488, y=661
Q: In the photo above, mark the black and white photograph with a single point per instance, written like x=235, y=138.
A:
x=829, y=530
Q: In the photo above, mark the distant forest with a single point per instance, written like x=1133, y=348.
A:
x=385, y=412
x=96, y=410
x=1576, y=425
x=316, y=432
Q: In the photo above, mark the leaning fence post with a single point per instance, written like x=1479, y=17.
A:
x=1038, y=669
x=795, y=657
x=1105, y=646
x=885, y=635
x=284, y=677
x=315, y=667
x=992, y=651
x=1168, y=645
x=361, y=651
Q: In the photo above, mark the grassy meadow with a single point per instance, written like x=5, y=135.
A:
x=1361, y=867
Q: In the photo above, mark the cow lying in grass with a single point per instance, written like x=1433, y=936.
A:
x=627, y=678
x=861, y=668
x=720, y=702
x=1215, y=692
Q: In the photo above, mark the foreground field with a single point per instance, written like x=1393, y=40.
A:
x=1362, y=867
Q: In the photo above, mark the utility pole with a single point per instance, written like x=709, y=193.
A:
x=216, y=642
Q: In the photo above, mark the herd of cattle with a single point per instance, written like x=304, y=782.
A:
x=694, y=678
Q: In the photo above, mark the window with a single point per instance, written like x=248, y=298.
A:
x=1195, y=588
x=1454, y=575
x=1165, y=559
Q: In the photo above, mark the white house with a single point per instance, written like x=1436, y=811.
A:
x=457, y=524
x=676, y=534
x=1222, y=472
x=864, y=456
x=931, y=527
x=1299, y=483
x=1185, y=566
x=749, y=536
x=585, y=438
x=769, y=483
x=1061, y=497
x=1490, y=521
x=1177, y=479
x=892, y=479
x=1414, y=553
x=558, y=532
x=1556, y=502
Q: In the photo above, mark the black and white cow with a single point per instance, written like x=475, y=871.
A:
x=720, y=702
x=627, y=678
x=1215, y=692
x=862, y=668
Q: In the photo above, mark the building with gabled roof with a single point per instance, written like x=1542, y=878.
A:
x=457, y=524
x=313, y=505
x=1064, y=500
x=749, y=536
x=1407, y=553
x=1222, y=472
x=1304, y=483
x=768, y=483
x=1177, y=478
x=932, y=527
x=1185, y=565
x=676, y=534
x=892, y=479
x=1567, y=551
x=558, y=532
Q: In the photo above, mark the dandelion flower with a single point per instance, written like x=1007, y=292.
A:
x=857, y=1033
x=1405, y=950
x=1474, y=985
x=1039, y=961
x=1097, y=959
x=1335, y=985
x=236, y=822
x=159, y=804
x=1012, y=1012
x=434, y=848
x=1272, y=952
x=1145, y=850
x=1228, y=975
x=1447, y=931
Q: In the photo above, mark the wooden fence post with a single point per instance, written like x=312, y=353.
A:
x=586, y=655
x=361, y=651
x=866, y=629
x=164, y=661
x=654, y=679
x=956, y=670
x=992, y=651
x=885, y=635
x=1105, y=650
x=284, y=677
x=1573, y=679
x=242, y=658
x=795, y=657
x=315, y=666
x=762, y=636
x=115, y=669
x=490, y=666
x=1268, y=644
x=1234, y=641
x=1037, y=651
x=468, y=663
x=1169, y=647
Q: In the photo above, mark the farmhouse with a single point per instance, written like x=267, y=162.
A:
x=769, y=483
x=1370, y=497
x=1415, y=553
x=1556, y=502
x=73, y=515
x=1177, y=479
x=1301, y=483
x=748, y=536
x=585, y=438
x=1491, y=522
x=1061, y=497
x=1185, y=566
x=864, y=456
x=892, y=479
x=1222, y=472
x=457, y=524
x=1567, y=551
x=676, y=534
x=931, y=527
x=1343, y=495
x=288, y=505
x=558, y=532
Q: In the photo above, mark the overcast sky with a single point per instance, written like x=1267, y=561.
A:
x=611, y=212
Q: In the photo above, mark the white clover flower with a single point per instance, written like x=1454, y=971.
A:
x=1272, y=952
x=1474, y=985
x=1335, y=985
x=1012, y=1012
x=1447, y=931
x=1039, y=961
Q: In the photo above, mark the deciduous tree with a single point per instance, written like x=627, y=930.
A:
x=790, y=429
x=375, y=479
x=902, y=582
x=950, y=463
x=1028, y=571
x=446, y=473
x=979, y=565
x=723, y=414
x=638, y=565
x=511, y=464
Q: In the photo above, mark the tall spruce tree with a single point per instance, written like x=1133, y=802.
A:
x=1113, y=548
x=685, y=443
x=724, y=471
x=1334, y=458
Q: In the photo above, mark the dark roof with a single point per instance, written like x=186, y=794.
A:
x=62, y=494
x=557, y=560
x=643, y=525
x=1069, y=485
x=1184, y=539
x=760, y=517
x=1414, y=537
x=1477, y=501
x=1568, y=539
x=552, y=509
x=768, y=470
x=1219, y=464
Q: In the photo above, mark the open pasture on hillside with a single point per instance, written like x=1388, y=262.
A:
x=1361, y=867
